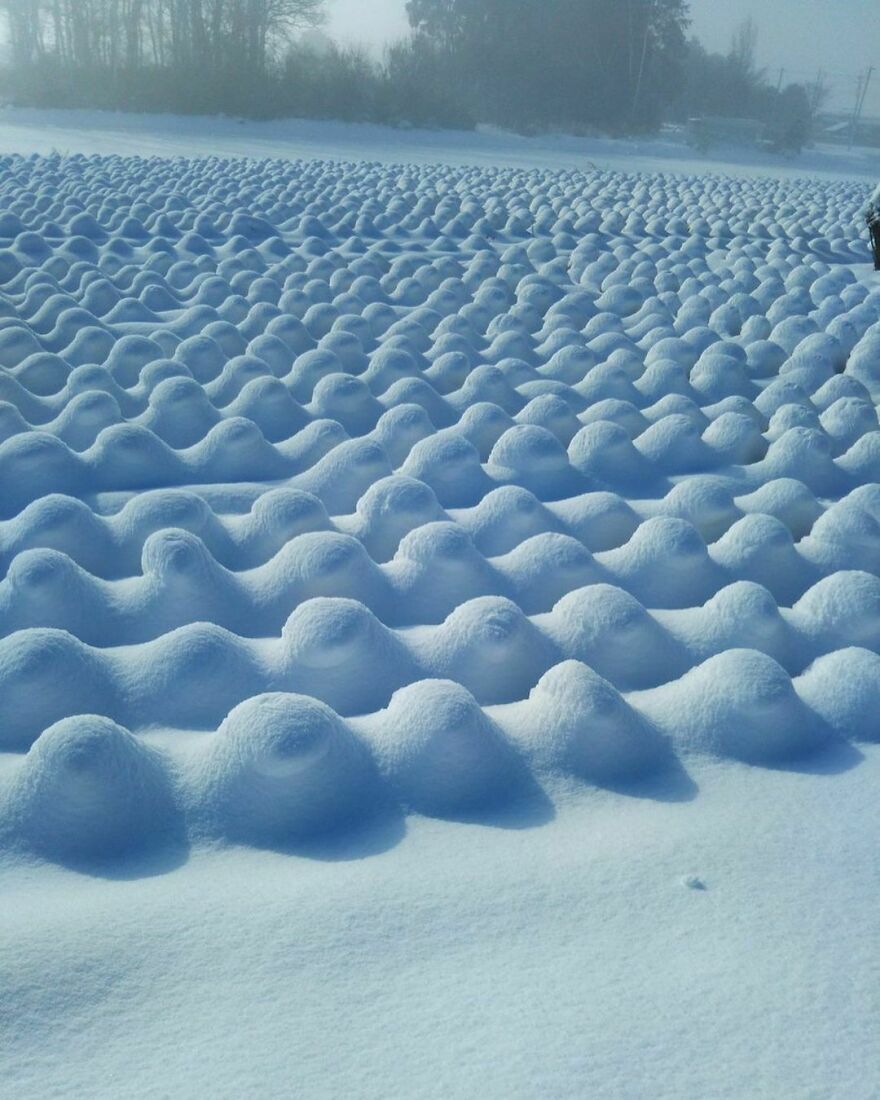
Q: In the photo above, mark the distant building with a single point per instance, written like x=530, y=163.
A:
x=837, y=128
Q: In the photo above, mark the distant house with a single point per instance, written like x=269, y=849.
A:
x=838, y=129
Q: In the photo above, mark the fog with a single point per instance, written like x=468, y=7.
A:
x=840, y=37
x=595, y=66
x=370, y=22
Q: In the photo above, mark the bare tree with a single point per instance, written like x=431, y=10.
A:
x=743, y=51
x=175, y=33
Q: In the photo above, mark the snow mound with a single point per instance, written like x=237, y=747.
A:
x=88, y=790
x=283, y=768
x=441, y=754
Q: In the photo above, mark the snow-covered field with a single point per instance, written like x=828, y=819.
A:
x=439, y=625
x=28, y=130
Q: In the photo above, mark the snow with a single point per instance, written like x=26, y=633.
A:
x=109, y=133
x=439, y=617
x=567, y=959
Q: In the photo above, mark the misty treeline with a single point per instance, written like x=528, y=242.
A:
x=607, y=65
x=614, y=64
x=732, y=85
x=240, y=57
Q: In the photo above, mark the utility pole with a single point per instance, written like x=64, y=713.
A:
x=815, y=100
x=852, y=121
x=641, y=73
x=818, y=88
x=862, y=98
x=779, y=81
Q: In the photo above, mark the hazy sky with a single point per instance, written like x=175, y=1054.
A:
x=842, y=37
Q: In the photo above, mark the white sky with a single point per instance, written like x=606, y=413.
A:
x=370, y=22
x=841, y=37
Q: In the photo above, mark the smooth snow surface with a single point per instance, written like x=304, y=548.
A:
x=439, y=631
x=64, y=131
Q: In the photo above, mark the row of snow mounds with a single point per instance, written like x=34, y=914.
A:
x=616, y=436
x=338, y=650
x=436, y=568
x=638, y=280
x=556, y=335
x=479, y=402
x=672, y=435
x=331, y=491
x=486, y=314
x=321, y=460
x=111, y=546
x=285, y=769
x=135, y=200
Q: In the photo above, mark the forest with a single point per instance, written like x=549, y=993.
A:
x=609, y=66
